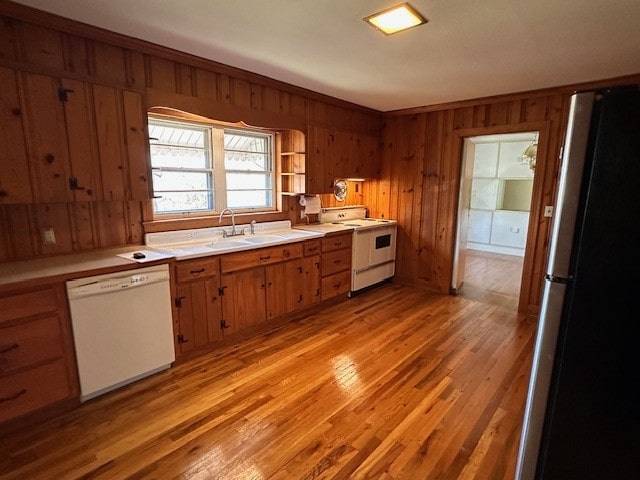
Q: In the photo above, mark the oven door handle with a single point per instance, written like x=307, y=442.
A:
x=371, y=267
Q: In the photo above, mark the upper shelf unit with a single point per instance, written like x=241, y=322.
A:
x=292, y=162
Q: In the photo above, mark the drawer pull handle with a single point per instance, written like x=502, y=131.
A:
x=267, y=257
x=337, y=244
x=312, y=249
x=337, y=285
x=9, y=348
x=337, y=261
x=193, y=272
x=13, y=397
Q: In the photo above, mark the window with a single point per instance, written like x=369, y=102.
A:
x=204, y=169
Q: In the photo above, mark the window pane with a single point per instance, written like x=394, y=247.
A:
x=180, y=135
x=248, y=181
x=253, y=199
x=256, y=162
x=175, y=202
x=245, y=142
x=176, y=157
x=163, y=181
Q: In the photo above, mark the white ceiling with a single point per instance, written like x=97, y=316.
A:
x=468, y=49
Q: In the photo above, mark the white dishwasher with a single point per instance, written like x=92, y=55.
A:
x=122, y=327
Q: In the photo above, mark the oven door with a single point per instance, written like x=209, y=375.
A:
x=373, y=247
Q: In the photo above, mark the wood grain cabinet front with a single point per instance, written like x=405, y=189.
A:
x=198, y=307
x=336, y=265
x=70, y=140
x=37, y=366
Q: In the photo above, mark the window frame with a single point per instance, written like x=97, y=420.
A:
x=218, y=174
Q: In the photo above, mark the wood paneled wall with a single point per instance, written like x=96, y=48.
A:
x=419, y=182
x=35, y=41
x=421, y=174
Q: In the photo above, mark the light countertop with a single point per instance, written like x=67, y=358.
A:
x=70, y=266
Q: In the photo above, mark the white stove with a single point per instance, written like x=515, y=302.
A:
x=374, y=243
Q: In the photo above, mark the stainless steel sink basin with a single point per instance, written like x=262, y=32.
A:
x=263, y=239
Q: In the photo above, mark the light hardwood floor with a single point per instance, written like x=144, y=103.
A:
x=394, y=383
x=492, y=278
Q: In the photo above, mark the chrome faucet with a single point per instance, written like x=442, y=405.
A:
x=233, y=224
x=253, y=225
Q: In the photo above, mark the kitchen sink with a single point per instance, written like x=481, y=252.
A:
x=227, y=244
x=263, y=239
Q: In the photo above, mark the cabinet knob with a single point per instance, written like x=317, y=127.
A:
x=3, y=193
x=49, y=158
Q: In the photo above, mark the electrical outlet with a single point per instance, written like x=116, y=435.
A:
x=48, y=236
x=548, y=211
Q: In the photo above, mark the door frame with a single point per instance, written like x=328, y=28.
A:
x=537, y=197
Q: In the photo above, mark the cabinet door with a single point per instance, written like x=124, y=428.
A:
x=48, y=138
x=199, y=314
x=244, y=299
x=310, y=280
x=110, y=142
x=81, y=139
x=278, y=283
x=320, y=148
x=137, y=145
x=15, y=184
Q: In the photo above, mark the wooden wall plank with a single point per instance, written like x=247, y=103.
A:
x=241, y=93
x=205, y=84
x=8, y=36
x=184, y=79
x=84, y=234
x=223, y=88
x=111, y=224
x=161, y=74
x=257, y=97
x=109, y=63
x=41, y=46
x=23, y=231
x=75, y=54
x=135, y=69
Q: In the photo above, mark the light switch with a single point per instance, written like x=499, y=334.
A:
x=548, y=211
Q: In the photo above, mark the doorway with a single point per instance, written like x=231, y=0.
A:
x=496, y=186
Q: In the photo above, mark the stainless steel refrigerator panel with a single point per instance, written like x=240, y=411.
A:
x=573, y=160
x=540, y=381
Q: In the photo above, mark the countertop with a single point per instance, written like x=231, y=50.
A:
x=77, y=265
x=65, y=267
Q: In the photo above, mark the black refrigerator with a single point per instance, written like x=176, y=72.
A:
x=582, y=416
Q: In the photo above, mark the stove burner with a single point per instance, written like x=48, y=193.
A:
x=336, y=223
x=351, y=224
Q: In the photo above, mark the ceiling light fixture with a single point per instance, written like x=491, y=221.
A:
x=530, y=154
x=395, y=19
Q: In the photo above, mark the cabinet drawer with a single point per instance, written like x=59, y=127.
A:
x=311, y=247
x=27, y=391
x=189, y=270
x=337, y=284
x=28, y=303
x=337, y=261
x=262, y=256
x=28, y=343
x=336, y=242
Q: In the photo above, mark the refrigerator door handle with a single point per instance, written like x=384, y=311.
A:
x=556, y=279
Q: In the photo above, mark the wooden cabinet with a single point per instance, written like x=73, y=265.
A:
x=244, y=299
x=335, y=154
x=198, y=304
x=292, y=285
x=74, y=141
x=336, y=265
x=14, y=161
x=37, y=367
